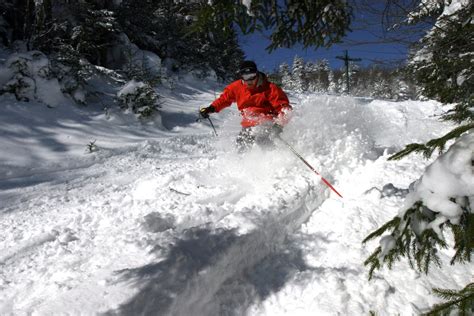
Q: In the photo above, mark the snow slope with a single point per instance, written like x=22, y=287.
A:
x=167, y=219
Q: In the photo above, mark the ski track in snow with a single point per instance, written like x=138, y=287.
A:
x=77, y=232
x=181, y=225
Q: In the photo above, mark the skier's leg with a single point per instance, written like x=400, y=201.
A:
x=245, y=140
x=264, y=138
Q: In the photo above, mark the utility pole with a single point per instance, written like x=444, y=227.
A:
x=346, y=63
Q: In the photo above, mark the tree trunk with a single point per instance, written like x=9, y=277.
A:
x=48, y=8
x=29, y=21
x=17, y=20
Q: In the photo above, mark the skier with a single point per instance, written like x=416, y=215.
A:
x=263, y=105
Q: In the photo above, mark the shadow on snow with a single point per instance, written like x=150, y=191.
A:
x=210, y=273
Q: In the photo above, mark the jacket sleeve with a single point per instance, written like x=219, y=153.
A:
x=225, y=99
x=281, y=104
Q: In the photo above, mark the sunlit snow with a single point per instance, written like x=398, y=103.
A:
x=168, y=219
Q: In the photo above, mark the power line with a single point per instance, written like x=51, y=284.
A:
x=377, y=52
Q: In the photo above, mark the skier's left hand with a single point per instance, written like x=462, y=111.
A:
x=204, y=112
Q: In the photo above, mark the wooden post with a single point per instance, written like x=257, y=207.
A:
x=346, y=63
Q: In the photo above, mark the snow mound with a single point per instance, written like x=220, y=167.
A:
x=171, y=220
x=29, y=77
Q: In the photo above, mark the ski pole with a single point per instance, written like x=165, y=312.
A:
x=215, y=132
x=202, y=117
x=309, y=166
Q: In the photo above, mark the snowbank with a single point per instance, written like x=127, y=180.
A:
x=29, y=77
x=447, y=185
x=172, y=219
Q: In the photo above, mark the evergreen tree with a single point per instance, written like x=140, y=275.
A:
x=140, y=98
x=444, y=70
x=24, y=18
x=310, y=76
x=365, y=82
x=284, y=72
x=5, y=7
x=403, y=90
x=443, y=66
x=382, y=85
x=449, y=76
x=341, y=83
x=95, y=33
x=311, y=23
x=217, y=50
x=145, y=22
x=298, y=77
x=373, y=80
x=93, y=30
x=352, y=80
x=323, y=71
x=168, y=33
x=317, y=76
x=332, y=83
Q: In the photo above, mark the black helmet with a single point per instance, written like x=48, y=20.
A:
x=247, y=67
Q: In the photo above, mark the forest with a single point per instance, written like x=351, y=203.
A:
x=139, y=45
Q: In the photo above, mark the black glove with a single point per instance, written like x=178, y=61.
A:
x=204, y=112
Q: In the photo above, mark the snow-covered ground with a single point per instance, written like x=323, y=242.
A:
x=165, y=218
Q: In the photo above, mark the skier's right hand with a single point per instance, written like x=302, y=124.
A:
x=204, y=112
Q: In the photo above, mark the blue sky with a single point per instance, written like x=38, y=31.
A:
x=359, y=43
x=254, y=47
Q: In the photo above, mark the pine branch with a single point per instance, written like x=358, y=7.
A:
x=461, y=112
x=373, y=261
x=394, y=254
x=460, y=301
x=420, y=249
x=455, y=133
x=463, y=238
x=437, y=143
x=415, y=147
x=395, y=222
x=427, y=250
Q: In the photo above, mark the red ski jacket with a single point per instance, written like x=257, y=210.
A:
x=261, y=103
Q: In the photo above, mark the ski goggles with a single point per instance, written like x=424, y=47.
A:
x=249, y=77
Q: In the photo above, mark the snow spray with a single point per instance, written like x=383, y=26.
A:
x=309, y=166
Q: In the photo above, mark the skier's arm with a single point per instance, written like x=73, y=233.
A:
x=225, y=99
x=281, y=104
